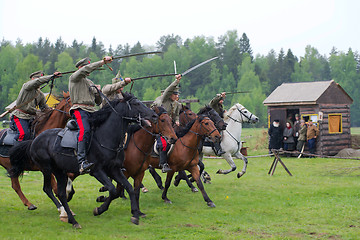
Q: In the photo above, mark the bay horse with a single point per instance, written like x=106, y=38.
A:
x=185, y=154
x=187, y=116
x=231, y=137
x=106, y=152
x=52, y=118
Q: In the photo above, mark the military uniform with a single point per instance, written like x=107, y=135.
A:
x=217, y=106
x=164, y=100
x=173, y=109
x=84, y=98
x=111, y=90
x=20, y=118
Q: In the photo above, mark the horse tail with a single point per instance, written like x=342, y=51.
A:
x=19, y=157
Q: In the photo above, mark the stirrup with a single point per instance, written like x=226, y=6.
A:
x=85, y=167
x=166, y=168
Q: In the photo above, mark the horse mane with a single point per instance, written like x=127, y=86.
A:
x=160, y=110
x=231, y=110
x=184, y=108
x=98, y=117
x=205, y=110
x=184, y=130
x=41, y=118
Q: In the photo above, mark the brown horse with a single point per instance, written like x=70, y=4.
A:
x=185, y=155
x=54, y=118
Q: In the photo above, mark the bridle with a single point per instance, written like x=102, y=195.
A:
x=242, y=116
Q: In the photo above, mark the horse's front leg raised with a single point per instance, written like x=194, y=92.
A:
x=230, y=161
x=243, y=171
x=196, y=175
x=169, y=177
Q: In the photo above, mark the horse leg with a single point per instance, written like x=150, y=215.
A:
x=156, y=177
x=196, y=175
x=230, y=161
x=120, y=178
x=17, y=188
x=182, y=175
x=48, y=189
x=137, y=186
x=62, y=181
x=167, y=185
x=243, y=171
x=103, y=179
x=54, y=184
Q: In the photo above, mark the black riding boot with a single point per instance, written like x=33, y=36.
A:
x=163, y=162
x=84, y=165
x=217, y=148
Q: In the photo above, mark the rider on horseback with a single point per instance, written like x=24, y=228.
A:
x=84, y=97
x=29, y=98
x=217, y=104
x=114, y=91
x=168, y=101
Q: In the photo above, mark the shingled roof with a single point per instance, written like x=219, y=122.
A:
x=301, y=93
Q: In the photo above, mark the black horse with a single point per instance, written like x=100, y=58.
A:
x=106, y=152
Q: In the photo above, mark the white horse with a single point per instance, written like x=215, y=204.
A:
x=231, y=137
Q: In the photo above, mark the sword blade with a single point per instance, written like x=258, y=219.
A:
x=199, y=65
x=136, y=54
x=175, y=67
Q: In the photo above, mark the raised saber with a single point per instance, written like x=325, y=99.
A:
x=173, y=74
x=136, y=54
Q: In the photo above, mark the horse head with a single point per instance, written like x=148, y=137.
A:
x=136, y=109
x=240, y=114
x=186, y=115
x=164, y=125
x=214, y=116
x=207, y=128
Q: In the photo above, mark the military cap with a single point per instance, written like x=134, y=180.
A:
x=296, y=115
x=117, y=78
x=36, y=74
x=176, y=90
x=83, y=62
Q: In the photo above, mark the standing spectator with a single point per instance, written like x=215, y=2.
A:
x=288, y=137
x=302, y=136
x=312, y=133
x=275, y=136
x=296, y=128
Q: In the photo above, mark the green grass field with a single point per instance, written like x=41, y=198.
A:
x=320, y=201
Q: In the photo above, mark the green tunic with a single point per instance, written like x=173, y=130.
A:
x=171, y=107
x=110, y=91
x=31, y=90
x=214, y=103
x=82, y=96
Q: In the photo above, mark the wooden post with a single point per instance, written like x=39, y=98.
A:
x=274, y=163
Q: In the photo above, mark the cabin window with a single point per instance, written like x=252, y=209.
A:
x=335, y=123
x=313, y=117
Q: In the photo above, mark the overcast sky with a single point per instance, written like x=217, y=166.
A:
x=269, y=24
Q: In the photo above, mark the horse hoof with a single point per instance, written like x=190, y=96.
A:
x=96, y=212
x=77, y=226
x=32, y=207
x=211, y=204
x=168, y=201
x=135, y=220
x=144, y=190
x=219, y=171
x=101, y=199
x=194, y=189
x=143, y=215
x=239, y=175
x=64, y=219
x=103, y=189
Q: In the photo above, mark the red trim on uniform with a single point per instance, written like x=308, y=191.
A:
x=21, y=130
x=80, y=123
x=164, y=143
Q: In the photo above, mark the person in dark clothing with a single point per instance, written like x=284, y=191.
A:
x=275, y=136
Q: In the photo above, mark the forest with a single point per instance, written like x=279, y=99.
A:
x=236, y=69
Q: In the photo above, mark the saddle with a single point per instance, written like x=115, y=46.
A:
x=68, y=135
x=155, y=152
x=7, y=140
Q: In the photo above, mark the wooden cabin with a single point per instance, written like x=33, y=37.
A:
x=325, y=102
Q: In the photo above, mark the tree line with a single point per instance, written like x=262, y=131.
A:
x=237, y=69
